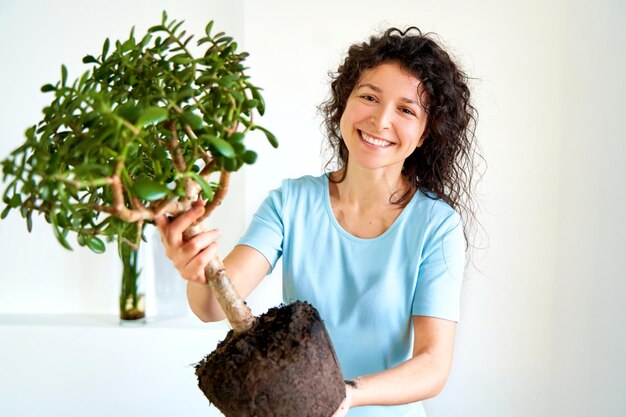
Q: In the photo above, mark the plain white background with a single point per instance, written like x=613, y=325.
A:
x=541, y=331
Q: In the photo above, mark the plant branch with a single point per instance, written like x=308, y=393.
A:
x=174, y=149
x=83, y=184
x=119, y=208
x=173, y=207
x=219, y=195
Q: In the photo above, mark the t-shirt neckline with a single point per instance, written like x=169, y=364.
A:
x=390, y=230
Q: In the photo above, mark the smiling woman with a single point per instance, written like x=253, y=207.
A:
x=377, y=245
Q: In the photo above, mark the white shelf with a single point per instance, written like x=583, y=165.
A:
x=78, y=365
x=105, y=320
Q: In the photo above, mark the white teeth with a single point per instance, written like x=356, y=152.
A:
x=375, y=141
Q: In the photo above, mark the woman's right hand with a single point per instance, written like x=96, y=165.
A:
x=189, y=258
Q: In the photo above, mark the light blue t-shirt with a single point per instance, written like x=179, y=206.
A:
x=366, y=290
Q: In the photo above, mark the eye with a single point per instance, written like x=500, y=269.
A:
x=408, y=111
x=367, y=97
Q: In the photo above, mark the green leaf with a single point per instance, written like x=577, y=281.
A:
x=5, y=212
x=84, y=78
x=224, y=39
x=237, y=137
x=270, y=136
x=96, y=245
x=59, y=234
x=159, y=154
x=249, y=157
x=47, y=88
x=174, y=26
x=30, y=133
x=181, y=59
x=239, y=148
x=193, y=120
x=128, y=44
x=61, y=238
x=223, y=147
x=227, y=80
x=146, y=40
x=230, y=165
x=129, y=111
x=150, y=190
x=157, y=28
x=257, y=96
x=238, y=96
x=16, y=201
x=62, y=220
x=63, y=75
x=93, y=169
x=207, y=191
x=89, y=59
x=252, y=104
x=208, y=28
x=185, y=93
x=105, y=48
x=152, y=115
x=203, y=40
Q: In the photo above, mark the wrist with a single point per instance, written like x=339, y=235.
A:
x=352, y=392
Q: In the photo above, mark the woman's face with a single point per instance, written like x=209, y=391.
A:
x=384, y=119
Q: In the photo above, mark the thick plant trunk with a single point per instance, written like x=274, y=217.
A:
x=236, y=310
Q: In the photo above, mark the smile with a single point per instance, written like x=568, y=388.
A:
x=381, y=143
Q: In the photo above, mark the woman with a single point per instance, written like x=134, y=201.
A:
x=377, y=245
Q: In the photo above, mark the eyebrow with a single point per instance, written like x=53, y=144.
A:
x=378, y=90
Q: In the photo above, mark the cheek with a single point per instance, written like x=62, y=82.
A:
x=342, y=125
x=420, y=134
x=345, y=123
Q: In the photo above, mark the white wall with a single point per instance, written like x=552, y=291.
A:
x=519, y=353
x=540, y=333
x=589, y=364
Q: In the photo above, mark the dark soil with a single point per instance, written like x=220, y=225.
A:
x=285, y=366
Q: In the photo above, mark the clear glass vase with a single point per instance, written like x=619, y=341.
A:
x=132, y=298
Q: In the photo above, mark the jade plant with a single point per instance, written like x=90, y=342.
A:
x=149, y=129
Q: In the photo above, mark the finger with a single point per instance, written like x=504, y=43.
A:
x=182, y=223
x=200, y=242
x=161, y=223
x=194, y=270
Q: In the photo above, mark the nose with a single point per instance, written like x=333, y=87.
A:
x=381, y=120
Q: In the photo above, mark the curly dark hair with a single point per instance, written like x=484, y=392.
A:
x=443, y=167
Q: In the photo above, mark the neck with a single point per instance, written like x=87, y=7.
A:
x=366, y=187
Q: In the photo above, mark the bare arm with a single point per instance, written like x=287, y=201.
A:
x=421, y=377
x=245, y=266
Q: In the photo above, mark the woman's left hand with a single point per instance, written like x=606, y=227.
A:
x=345, y=405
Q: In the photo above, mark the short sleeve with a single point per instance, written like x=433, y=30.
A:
x=440, y=275
x=266, y=229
